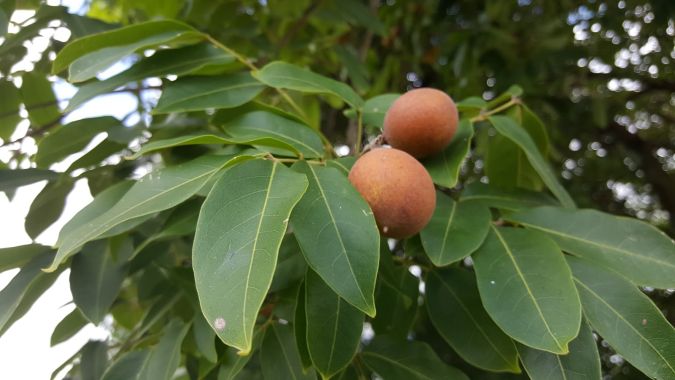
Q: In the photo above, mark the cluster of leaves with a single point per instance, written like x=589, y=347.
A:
x=246, y=228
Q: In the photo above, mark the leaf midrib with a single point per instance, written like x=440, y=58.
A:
x=206, y=93
x=597, y=244
x=337, y=231
x=447, y=230
x=256, y=238
x=527, y=286
x=616, y=312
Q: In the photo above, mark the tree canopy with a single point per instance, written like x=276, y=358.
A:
x=224, y=229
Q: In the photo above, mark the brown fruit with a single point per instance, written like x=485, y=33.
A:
x=421, y=122
x=398, y=189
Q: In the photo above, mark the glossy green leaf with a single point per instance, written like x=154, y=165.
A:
x=343, y=164
x=285, y=75
x=70, y=325
x=279, y=358
x=582, y=363
x=88, y=56
x=166, y=356
x=15, y=257
x=455, y=230
x=72, y=138
x=205, y=338
x=508, y=128
x=262, y=124
x=232, y=363
x=199, y=93
x=338, y=236
x=456, y=311
x=514, y=199
x=376, y=107
x=395, y=359
x=240, y=228
x=101, y=203
x=96, y=277
x=626, y=318
x=291, y=265
x=12, y=294
x=637, y=250
x=471, y=103
x=164, y=62
x=527, y=288
x=94, y=359
x=36, y=92
x=395, y=297
x=9, y=109
x=96, y=155
x=262, y=142
x=47, y=207
x=128, y=366
x=333, y=327
x=444, y=167
x=300, y=328
x=157, y=191
x=11, y=179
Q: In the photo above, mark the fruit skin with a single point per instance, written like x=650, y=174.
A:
x=398, y=189
x=421, y=122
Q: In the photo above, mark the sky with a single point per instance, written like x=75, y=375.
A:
x=27, y=341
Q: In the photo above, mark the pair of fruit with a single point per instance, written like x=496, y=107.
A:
x=396, y=186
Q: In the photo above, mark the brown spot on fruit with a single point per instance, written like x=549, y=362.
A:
x=421, y=122
x=398, y=189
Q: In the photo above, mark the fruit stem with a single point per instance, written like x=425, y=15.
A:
x=485, y=114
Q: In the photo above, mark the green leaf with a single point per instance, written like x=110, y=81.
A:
x=165, y=357
x=72, y=138
x=70, y=325
x=343, y=164
x=456, y=311
x=333, y=327
x=356, y=13
x=165, y=62
x=395, y=297
x=96, y=155
x=88, y=56
x=527, y=288
x=635, y=249
x=233, y=364
x=15, y=257
x=47, y=207
x=279, y=356
x=394, y=359
x=582, y=363
x=444, y=166
x=199, y=93
x=300, y=328
x=93, y=360
x=262, y=124
x=96, y=277
x=508, y=128
x=455, y=230
x=626, y=318
x=12, y=179
x=205, y=338
x=153, y=146
x=9, y=109
x=127, y=367
x=291, y=266
x=376, y=107
x=6, y=10
x=240, y=228
x=15, y=291
x=471, y=103
x=280, y=74
x=157, y=191
x=338, y=236
x=39, y=99
x=101, y=203
x=513, y=199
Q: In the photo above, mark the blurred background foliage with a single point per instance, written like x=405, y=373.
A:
x=600, y=74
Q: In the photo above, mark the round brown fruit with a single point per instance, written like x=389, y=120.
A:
x=398, y=189
x=421, y=122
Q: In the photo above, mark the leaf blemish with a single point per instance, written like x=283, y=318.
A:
x=492, y=282
x=219, y=324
